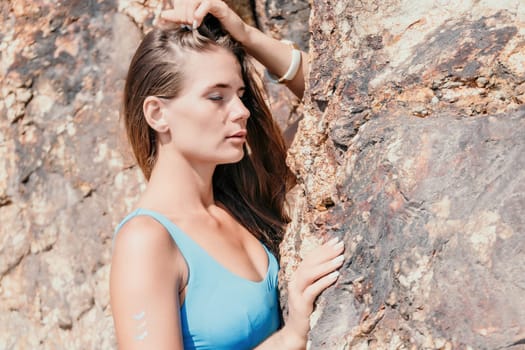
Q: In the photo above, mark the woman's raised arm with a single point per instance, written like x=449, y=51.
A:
x=275, y=55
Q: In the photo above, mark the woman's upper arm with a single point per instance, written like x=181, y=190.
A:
x=144, y=284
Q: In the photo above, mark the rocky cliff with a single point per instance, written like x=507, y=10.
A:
x=64, y=181
x=410, y=148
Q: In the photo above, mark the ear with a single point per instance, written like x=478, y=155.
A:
x=153, y=109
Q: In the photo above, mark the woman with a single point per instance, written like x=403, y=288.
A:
x=194, y=266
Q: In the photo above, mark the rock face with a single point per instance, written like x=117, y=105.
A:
x=64, y=182
x=411, y=150
x=430, y=211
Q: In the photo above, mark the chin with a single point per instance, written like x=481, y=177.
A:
x=235, y=158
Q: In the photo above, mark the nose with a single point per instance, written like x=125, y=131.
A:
x=239, y=110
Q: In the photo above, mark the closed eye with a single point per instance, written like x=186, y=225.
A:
x=215, y=98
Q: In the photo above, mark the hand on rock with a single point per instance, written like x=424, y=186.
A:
x=317, y=271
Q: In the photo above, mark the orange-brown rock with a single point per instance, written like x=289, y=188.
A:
x=411, y=150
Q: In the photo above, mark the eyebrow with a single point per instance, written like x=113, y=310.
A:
x=225, y=86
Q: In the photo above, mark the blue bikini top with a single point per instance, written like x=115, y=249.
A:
x=221, y=310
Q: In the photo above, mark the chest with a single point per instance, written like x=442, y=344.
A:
x=221, y=308
x=229, y=244
x=229, y=315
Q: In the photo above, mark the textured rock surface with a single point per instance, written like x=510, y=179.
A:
x=411, y=149
x=63, y=181
x=285, y=19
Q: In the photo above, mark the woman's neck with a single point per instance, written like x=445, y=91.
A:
x=177, y=184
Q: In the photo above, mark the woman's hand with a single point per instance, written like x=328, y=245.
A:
x=192, y=12
x=316, y=272
x=273, y=54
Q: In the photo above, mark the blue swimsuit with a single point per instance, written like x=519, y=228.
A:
x=221, y=310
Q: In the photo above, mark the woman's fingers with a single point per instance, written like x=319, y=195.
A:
x=319, y=263
x=182, y=12
x=173, y=15
x=313, y=290
x=308, y=276
x=302, y=295
x=217, y=8
x=190, y=10
x=323, y=253
x=316, y=272
x=193, y=12
x=200, y=12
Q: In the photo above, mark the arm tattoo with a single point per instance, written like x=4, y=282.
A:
x=142, y=331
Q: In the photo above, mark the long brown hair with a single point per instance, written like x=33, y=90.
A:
x=253, y=189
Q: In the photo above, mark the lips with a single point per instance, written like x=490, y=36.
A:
x=238, y=134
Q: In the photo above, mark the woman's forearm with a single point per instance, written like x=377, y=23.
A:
x=276, y=57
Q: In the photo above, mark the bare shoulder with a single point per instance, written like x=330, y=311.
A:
x=144, y=247
x=143, y=234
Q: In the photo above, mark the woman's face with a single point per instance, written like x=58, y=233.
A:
x=207, y=121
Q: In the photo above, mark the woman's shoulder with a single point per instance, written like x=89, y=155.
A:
x=145, y=255
x=143, y=237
